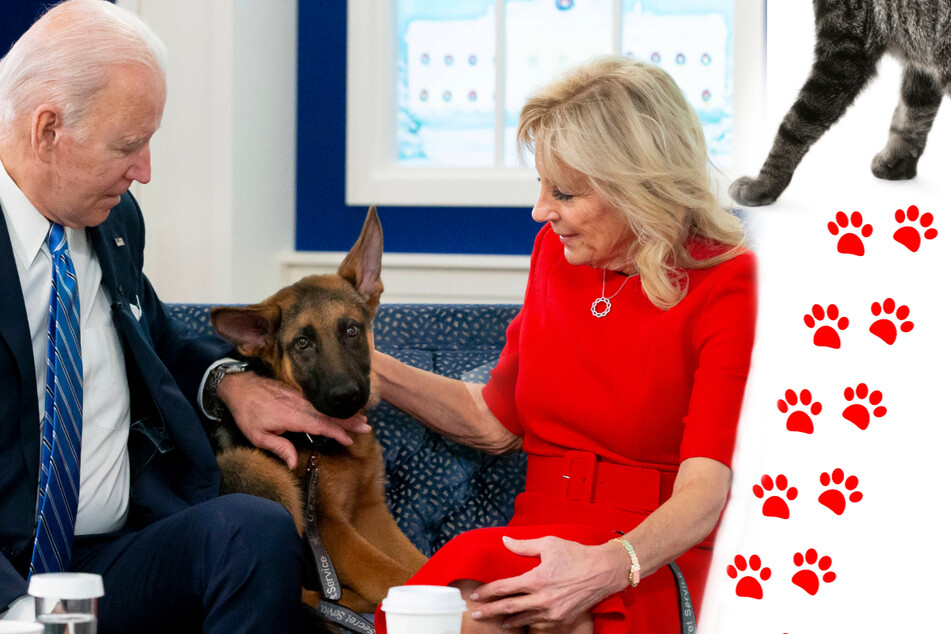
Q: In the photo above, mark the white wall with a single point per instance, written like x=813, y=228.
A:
x=220, y=208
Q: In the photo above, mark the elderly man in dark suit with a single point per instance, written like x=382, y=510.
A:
x=99, y=391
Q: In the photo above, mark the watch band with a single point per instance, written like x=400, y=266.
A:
x=209, y=399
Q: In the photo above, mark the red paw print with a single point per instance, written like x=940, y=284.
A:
x=833, y=497
x=748, y=585
x=775, y=506
x=908, y=235
x=826, y=335
x=808, y=579
x=858, y=413
x=849, y=242
x=884, y=328
x=799, y=420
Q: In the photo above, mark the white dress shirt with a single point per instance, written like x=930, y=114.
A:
x=104, y=464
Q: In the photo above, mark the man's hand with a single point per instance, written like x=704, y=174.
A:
x=264, y=409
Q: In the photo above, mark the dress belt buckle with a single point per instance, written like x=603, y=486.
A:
x=579, y=472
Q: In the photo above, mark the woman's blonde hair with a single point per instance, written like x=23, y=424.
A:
x=627, y=128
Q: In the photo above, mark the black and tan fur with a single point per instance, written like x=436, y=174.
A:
x=316, y=336
x=851, y=38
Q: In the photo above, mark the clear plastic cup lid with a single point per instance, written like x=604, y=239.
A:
x=423, y=600
x=66, y=585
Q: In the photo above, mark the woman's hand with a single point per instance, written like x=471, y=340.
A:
x=263, y=409
x=568, y=582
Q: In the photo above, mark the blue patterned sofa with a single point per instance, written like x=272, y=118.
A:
x=436, y=488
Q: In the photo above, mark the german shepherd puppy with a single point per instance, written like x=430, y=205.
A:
x=316, y=336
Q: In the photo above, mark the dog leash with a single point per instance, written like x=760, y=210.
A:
x=688, y=618
x=345, y=618
x=329, y=583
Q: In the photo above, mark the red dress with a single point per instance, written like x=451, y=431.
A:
x=616, y=404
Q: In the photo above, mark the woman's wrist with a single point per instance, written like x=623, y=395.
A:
x=619, y=565
x=633, y=565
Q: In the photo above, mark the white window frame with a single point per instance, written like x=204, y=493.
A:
x=374, y=177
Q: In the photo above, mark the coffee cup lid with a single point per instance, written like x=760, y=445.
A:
x=66, y=585
x=423, y=600
x=20, y=627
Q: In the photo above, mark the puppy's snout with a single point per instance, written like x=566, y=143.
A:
x=346, y=397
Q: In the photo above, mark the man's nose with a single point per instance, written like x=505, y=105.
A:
x=141, y=168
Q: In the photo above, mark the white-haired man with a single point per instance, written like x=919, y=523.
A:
x=81, y=94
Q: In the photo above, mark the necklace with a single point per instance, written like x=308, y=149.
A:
x=603, y=301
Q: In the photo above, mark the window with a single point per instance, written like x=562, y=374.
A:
x=435, y=88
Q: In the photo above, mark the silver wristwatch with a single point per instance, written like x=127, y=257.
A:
x=209, y=398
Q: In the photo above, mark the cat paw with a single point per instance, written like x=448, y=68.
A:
x=775, y=505
x=893, y=166
x=826, y=335
x=891, y=321
x=748, y=585
x=799, y=419
x=755, y=192
x=807, y=578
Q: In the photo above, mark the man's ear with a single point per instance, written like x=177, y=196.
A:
x=46, y=130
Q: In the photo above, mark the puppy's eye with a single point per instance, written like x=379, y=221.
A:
x=301, y=343
x=352, y=331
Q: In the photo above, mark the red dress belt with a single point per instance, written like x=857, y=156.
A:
x=579, y=476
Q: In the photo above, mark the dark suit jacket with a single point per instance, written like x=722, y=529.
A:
x=172, y=463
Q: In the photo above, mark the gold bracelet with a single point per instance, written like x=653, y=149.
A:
x=635, y=575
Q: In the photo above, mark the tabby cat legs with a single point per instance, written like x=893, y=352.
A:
x=916, y=110
x=842, y=68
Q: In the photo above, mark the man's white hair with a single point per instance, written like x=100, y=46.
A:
x=66, y=58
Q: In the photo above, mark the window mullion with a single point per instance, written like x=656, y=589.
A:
x=500, y=77
x=616, y=12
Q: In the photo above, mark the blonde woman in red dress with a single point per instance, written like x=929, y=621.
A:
x=621, y=378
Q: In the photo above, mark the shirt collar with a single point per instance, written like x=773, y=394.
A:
x=28, y=227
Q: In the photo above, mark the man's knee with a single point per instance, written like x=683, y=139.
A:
x=255, y=527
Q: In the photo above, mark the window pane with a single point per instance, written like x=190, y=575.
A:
x=446, y=83
x=693, y=41
x=544, y=38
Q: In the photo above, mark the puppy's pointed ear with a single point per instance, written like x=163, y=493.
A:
x=362, y=265
x=250, y=328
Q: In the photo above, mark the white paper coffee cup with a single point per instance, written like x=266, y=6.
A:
x=423, y=610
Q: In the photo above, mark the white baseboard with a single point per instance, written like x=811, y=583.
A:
x=428, y=278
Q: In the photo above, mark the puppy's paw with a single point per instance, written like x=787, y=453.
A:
x=754, y=192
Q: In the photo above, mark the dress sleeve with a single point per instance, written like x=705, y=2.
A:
x=724, y=339
x=499, y=393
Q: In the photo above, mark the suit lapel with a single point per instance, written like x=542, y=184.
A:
x=15, y=332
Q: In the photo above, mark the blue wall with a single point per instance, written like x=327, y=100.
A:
x=16, y=16
x=324, y=221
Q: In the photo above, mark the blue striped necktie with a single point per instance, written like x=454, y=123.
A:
x=62, y=423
